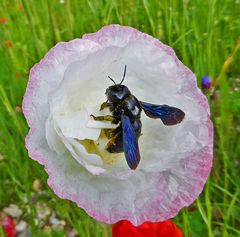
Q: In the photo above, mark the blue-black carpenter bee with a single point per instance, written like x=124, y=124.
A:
x=126, y=111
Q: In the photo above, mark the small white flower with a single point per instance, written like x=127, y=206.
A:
x=68, y=85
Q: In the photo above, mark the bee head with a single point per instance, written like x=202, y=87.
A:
x=117, y=93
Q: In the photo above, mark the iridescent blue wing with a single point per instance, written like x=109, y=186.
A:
x=130, y=143
x=169, y=115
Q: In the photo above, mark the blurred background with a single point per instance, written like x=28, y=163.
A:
x=205, y=36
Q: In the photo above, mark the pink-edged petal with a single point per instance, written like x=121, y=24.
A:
x=46, y=75
x=44, y=78
x=114, y=35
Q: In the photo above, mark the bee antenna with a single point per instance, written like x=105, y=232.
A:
x=124, y=74
x=112, y=80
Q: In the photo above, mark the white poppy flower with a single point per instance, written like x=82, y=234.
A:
x=69, y=84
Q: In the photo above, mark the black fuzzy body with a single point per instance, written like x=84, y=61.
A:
x=121, y=101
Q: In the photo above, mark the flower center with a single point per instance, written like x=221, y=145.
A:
x=84, y=137
x=98, y=147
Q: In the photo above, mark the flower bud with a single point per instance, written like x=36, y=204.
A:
x=206, y=82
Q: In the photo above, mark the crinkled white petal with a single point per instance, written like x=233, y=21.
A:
x=54, y=141
x=69, y=85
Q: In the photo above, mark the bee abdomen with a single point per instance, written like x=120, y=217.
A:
x=115, y=144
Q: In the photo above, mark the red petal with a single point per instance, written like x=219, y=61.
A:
x=147, y=229
x=9, y=226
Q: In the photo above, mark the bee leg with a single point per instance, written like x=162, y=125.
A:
x=103, y=118
x=104, y=105
x=115, y=144
x=110, y=133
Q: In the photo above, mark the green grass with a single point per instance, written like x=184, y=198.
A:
x=205, y=35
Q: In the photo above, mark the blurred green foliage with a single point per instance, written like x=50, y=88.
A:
x=205, y=36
